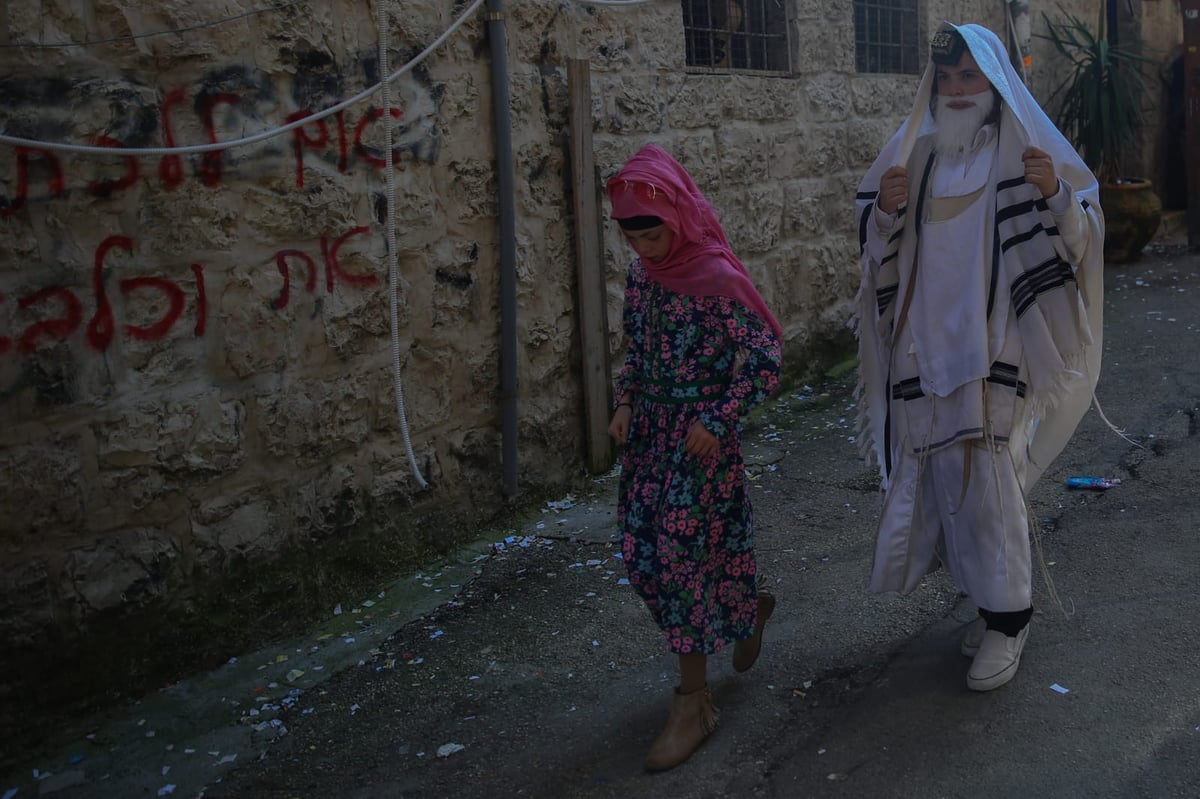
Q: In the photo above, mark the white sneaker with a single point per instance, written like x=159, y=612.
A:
x=973, y=637
x=997, y=659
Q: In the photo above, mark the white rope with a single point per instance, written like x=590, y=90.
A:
x=393, y=261
x=257, y=137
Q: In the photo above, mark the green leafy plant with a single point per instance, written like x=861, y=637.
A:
x=1101, y=95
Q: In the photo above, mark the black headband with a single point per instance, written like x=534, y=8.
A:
x=639, y=222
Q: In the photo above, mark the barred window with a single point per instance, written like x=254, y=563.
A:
x=736, y=34
x=886, y=36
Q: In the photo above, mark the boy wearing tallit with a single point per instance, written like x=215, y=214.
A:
x=979, y=326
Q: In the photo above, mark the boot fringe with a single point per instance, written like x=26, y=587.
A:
x=710, y=716
x=692, y=720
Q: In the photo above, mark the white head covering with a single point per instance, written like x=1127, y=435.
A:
x=1057, y=408
x=1036, y=128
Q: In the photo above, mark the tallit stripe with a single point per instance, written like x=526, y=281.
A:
x=909, y=389
x=1045, y=277
x=1021, y=238
x=885, y=296
x=862, y=229
x=968, y=432
x=1005, y=374
x=1015, y=210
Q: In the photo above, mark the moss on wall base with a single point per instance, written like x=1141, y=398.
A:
x=118, y=655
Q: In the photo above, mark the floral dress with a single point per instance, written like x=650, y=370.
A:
x=686, y=521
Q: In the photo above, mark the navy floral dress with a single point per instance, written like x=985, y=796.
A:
x=687, y=522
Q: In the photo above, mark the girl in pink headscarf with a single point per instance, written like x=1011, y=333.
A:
x=703, y=351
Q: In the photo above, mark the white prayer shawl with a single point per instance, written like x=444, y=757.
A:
x=1057, y=295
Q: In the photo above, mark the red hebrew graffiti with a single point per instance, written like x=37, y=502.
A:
x=330, y=255
x=333, y=270
x=201, y=301
x=100, y=328
x=24, y=154
x=302, y=140
x=343, y=150
x=175, y=302
x=60, y=323
x=5, y=341
x=210, y=164
x=225, y=107
x=58, y=329
x=373, y=115
x=104, y=188
x=281, y=261
x=170, y=168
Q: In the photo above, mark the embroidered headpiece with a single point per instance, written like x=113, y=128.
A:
x=947, y=46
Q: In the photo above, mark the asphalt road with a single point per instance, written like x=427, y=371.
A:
x=530, y=670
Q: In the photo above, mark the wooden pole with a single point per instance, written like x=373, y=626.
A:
x=591, y=291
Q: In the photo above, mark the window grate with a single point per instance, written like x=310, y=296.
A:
x=736, y=34
x=886, y=36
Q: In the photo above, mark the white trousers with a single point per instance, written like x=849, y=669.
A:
x=980, y=534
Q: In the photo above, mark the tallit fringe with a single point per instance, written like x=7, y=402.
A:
x=1111, y=426
x=1040, y=401
x=864, y=440
x=1035, y=534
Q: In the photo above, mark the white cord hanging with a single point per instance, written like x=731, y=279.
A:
x=393, y=261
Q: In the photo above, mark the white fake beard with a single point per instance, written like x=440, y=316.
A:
x=956, y=127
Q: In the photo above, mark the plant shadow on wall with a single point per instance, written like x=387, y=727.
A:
x=1101, y=115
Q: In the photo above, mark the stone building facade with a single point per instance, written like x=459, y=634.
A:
x=197, y=391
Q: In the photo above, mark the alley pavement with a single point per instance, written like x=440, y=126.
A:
x=525, y=666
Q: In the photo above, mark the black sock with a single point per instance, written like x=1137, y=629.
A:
x=1009, y=622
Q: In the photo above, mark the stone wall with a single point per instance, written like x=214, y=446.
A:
x=196, y=379
x=1161, y=35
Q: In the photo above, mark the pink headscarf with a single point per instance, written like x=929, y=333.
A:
x=700, y=262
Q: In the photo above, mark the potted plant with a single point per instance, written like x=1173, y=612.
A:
x=1101, y=115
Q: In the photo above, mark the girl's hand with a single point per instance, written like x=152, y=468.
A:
x=618, y=428
x=699, y=442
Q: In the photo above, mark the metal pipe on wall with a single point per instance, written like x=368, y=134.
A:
x=501, y=116
x=1020, y=28
x=1191, y=99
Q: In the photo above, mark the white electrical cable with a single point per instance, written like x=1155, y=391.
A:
x=257, y=137
x=393, y=261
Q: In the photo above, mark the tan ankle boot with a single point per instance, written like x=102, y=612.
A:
x=745, y=652
x=693, y=718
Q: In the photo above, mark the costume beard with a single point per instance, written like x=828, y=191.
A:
x=956, y=127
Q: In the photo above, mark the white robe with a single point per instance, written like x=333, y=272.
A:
x=937, y=508
x=960, y=439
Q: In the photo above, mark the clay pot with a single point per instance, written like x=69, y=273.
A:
x=1132, y=215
